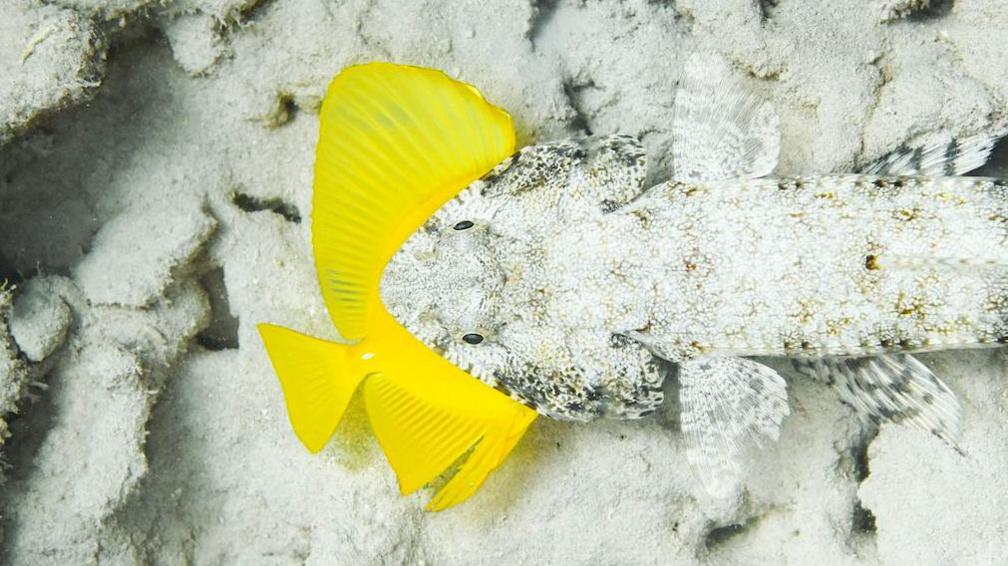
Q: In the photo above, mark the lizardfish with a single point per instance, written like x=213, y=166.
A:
x=479, y=286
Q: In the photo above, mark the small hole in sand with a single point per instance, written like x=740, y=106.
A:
x=863, y=520
x=720, y=535
x=249, y=203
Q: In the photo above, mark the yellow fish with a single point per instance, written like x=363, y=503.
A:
x=395, y=143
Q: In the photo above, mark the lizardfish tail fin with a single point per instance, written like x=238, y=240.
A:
x=317, y=380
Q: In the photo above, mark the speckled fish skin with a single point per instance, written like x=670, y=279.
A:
x=820, y=266
x=580, y=281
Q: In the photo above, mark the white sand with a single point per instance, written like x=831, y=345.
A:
x=154, y=157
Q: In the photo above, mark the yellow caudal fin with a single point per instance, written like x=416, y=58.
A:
x=395, y=143
x=428, y=415
x=317, y=381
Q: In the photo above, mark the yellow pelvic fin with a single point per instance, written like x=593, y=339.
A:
x=395, y=143
x=317, y=380
x=427, y=414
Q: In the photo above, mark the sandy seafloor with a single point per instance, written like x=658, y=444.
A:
x=155, y=189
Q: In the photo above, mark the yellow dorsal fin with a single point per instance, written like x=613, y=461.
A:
x=395, y=143
x=427, y=414
x=316, y=381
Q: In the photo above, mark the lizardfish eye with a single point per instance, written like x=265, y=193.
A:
x=464, y=225
x=472, y=338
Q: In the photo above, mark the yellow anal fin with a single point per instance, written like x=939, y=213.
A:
x=427, y=414
x=317, y=381
x=425, y=427
x=495, y=446
x=395, y=143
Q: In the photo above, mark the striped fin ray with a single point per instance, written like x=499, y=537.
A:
x=946, y=156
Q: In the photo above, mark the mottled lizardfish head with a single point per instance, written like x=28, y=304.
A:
x=446, y=283
x=508, y=282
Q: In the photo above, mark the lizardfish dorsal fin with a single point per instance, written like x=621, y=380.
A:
x=395, y=143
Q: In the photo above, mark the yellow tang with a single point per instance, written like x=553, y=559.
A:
x=395, y=143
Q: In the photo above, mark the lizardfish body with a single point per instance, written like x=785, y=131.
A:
x=574, y=275
x=479, y=287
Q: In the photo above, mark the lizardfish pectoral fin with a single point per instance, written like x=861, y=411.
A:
x=728, y=405
x=720, y=128
x=893, y=387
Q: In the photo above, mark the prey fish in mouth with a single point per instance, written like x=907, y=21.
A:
x=479, y=287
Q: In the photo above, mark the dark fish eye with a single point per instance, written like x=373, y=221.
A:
x=464, y=225
x=472, y=338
